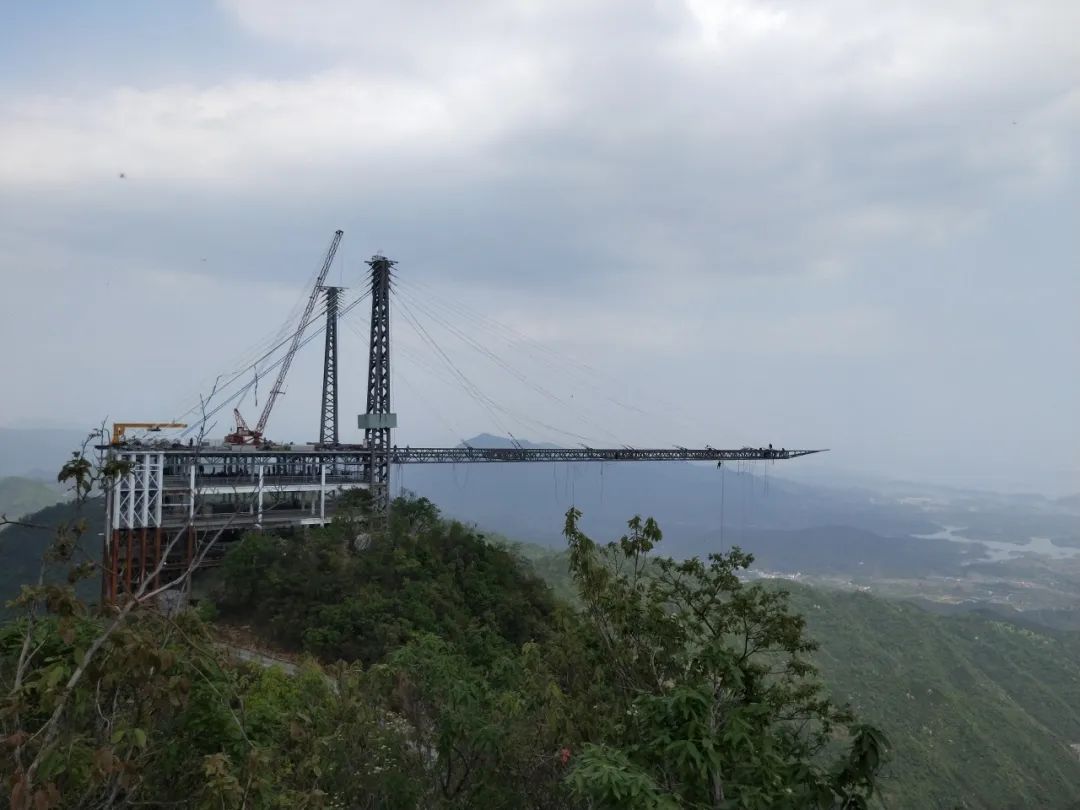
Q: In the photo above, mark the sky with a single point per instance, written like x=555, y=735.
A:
x=822, y=223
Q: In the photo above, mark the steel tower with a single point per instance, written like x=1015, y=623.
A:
x=328, y=422
x=379, y=420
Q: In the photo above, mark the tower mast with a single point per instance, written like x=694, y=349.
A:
x=379, y=420
x=328, y=422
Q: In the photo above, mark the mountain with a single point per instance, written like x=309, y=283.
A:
x=981, y=705
x=1071, y=502
x=21, y=496
x=792, y=526
x=982, y=711
x=528, y=501
x=21, y=547
x=37, y=452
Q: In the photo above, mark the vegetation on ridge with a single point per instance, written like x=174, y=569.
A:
x=464, y=683
x=443, y=672
x=982, y=709
x=21, y=496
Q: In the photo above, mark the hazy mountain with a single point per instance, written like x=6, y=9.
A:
x=1071, y=502
x=690, y=500
x=981, y=711
x=20, y=496
x=37, y=452
x=791, y=526
x=981, y=707
x=981, y=704
x=21, y=547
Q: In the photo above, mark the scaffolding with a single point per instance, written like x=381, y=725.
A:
x=166, y=504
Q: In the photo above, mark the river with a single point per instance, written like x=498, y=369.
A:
x=997, y=550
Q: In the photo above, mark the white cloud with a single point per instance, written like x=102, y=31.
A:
x=783, y=189
x=244, y=131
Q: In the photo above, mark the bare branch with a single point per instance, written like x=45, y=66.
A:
x=6, y=521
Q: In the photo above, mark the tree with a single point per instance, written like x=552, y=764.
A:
x=712, y=700
x=675, y=685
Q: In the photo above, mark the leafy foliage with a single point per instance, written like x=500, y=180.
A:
x=716, y=700
x=459, y=681
x=424, y=576
x=981, y=708
x=982, y=712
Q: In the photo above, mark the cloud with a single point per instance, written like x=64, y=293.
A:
x=242, y=131
x=851, y=196
x=720, y=137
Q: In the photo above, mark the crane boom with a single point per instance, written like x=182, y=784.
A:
x=120, y=428
x=243, y=434
x=276, y=391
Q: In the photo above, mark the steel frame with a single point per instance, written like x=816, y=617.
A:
x=474, y=455
x=328, y=422
x=377, y=439
x=180, y=495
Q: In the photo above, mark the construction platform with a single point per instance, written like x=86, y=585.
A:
x=189, y=502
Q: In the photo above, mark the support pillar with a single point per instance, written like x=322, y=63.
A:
x=328, y=422
x=259, y=499
x=379, y=420
x=157, y=557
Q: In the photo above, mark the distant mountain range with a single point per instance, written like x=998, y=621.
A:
x=37, y=452
x=852, y=532
x=1070, y=501
x=981, y=702
x=21, y=496
x=981, y=705
x=789, y=526
x=22, y=546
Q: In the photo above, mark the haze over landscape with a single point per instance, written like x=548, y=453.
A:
x=689, y=224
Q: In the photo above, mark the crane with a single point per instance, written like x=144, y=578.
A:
x=120, y=428
x=248, y=435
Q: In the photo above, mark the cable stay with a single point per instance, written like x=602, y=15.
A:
x=586, y=375
x=489, y=404
x=219, y=387
x=245, y=435
x=316, y=332
x=502, y=363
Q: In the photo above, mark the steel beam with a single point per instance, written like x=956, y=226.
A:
x=477, y=455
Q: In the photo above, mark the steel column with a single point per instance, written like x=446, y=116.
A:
x=378, y=393
x=328, y=423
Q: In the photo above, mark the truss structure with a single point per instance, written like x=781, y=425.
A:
x=475, y=455
x=328, y=422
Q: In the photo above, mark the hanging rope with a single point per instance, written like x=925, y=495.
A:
x=723, y=479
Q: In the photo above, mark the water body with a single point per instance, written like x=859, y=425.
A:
x=996, y=550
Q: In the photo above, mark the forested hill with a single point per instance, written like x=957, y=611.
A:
x=20, y=496
x=978, y=709
x=22, y=546
x=981, y=710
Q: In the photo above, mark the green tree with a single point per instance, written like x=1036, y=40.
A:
x=312, y=591
x=711, y=699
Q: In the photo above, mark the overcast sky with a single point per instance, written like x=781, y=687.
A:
x=817, y=223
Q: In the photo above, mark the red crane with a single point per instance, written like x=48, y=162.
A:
x=247, y=435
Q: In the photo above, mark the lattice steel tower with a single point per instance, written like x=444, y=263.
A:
x=378, y=421
x=328, y=422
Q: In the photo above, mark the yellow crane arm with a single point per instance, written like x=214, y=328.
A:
x=119, y=428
